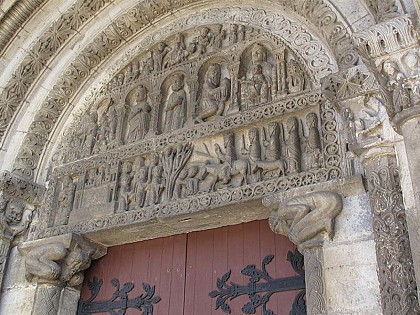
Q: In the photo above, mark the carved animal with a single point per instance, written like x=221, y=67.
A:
x=277, y=168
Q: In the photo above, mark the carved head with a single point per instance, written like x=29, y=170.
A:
x=14, y=212
x=233, y=27
x=253, y=134
x=258, y=53
x=177, y=82
x=183, y=174
x=204, y=31
x=161, y=46
x=213, y=74
x=390, y=68
x=178, y=38
x=411, y=60
x=193, y=171
x=273, y=128
x=257, y=69
x=139, y=162
x=141, y=93
x=292, y=123
x=67, y=181
x=127, y=167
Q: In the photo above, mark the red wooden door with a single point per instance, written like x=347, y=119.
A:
x=184, y=268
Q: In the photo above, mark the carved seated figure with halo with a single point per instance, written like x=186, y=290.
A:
x=215, y=94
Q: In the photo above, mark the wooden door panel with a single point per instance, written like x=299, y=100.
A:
x=185, y=268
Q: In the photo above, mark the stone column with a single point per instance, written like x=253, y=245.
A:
x=56, y=265
x=391, y=52
x=395, y=264
x=307, y=220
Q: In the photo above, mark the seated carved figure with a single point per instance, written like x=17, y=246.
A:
x=215, y=93
x=256, y=89
x=303, y=218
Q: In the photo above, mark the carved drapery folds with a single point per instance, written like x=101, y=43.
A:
x=308, y=220
x=55, y=264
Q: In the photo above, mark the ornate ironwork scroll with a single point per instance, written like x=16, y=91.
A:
x=119, y=302
x=262, y=286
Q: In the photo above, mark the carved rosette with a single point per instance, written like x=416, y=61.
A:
x=308, y=220
x=395, y=264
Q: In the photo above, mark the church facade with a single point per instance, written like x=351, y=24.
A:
x=197, y=157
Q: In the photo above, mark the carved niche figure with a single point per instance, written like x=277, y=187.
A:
x=176, y=106
x=180, y=189
x=159, y=55
x=395, y=83
x=241, y=33
x=192, y=180
x=313, y=143
x=125, y=185
x=295, y=77
x=65, y=201
x=257, y=85
x=204, y=40
x=215, y=93
x=140, y=116
x=147, y=66
x=293, y=149
x=178, y=53
x=412, y=63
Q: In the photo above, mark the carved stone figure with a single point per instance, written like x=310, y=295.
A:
x=180, y=190
x=41, y=262
x=139, y=182
x=304, y=218
x=90, y=130
x=192, y=180
x=178, y=53
x=140, y=116
x=204, y=40
x=219, y=36
x=215, y=93
x=233, y=34
x=14, y=219
x=293, y=148
x=65, y=201
x=395, y=83
x=349, y=126
x=257, y=86
x=295, y=77
x=254, y=154
x=159, y=54
x=176, y=106
x=112, y=121
x=156, y=185
x=124, y=187
x=313, y=150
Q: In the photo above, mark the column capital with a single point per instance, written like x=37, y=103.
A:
x=59, y=260
x=307, y=219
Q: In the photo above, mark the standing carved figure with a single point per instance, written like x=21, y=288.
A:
x=295, y=77
x=159, y=54
x=313, y=143
x=293, y=149
x=233, y=34
x=395, y=83
x=112, y=121
x=125, y=185
x=65, y=201
x=176, y=105
x=139, y=183
x=219, y=36
x=272, y=143
x=90, y=133
x=215, y=93
x=156, y=184
x=140, y=116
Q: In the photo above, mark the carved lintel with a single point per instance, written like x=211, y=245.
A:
x=60, y=260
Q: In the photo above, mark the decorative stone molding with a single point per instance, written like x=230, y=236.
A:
x=57, y=263
x=308, y=220
x=15, y=17
x=20, y=188
x=383, y=9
